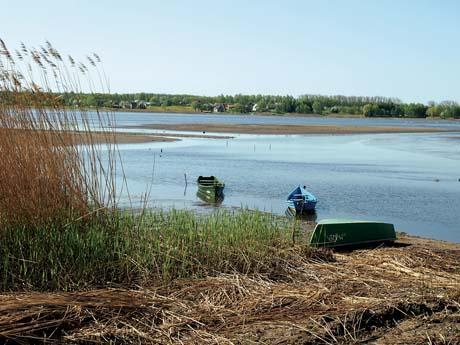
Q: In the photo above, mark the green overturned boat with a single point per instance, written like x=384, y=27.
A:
x=332, y=233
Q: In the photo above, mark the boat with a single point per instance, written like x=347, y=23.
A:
x=333, y=233
x=301, y=201
x=311, y=216
x=210, y=198
x=209, y=187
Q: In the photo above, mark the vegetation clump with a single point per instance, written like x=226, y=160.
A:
x=61, y=228
x=133, y=249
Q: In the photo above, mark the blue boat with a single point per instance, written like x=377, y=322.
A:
x=301, y=200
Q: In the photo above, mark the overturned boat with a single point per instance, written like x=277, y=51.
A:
x=333, y=233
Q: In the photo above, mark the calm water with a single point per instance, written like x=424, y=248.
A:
x=124, y=119
x=411, y=180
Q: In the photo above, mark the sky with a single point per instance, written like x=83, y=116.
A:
x=407, y=49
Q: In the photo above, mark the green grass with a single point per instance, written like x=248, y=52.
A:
x=47, y=181
x=171, y=108
x=150, y=249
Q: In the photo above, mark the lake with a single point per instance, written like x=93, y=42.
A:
x=411, y=180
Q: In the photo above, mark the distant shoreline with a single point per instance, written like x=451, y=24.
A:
x=136, y=138
x=346, y=116
x=287, y=129
x=114, y=137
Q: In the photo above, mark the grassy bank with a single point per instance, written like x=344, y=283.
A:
x=131, y=250
x=155, y=109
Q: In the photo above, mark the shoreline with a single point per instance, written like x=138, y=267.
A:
x=188, y=112
x=288, y=129
x=118, y=138
x=138, y=138
x=113, y=137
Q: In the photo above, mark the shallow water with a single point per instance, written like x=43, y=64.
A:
x=124, y=119
x=411, y=180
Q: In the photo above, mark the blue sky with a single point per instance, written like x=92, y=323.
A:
x=407, y=48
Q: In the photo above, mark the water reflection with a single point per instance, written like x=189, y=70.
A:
x=210, y=198
x=310, y=216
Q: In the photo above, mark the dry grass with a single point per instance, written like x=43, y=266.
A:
x=393, y=295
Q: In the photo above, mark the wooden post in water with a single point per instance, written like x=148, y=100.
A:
x=185, y=188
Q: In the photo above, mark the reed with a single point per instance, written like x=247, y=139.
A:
x=156, y=249
x=46, y=176
x=61, y=228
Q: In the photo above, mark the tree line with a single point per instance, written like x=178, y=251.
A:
x=305, y=104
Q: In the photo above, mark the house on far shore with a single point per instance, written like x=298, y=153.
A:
x=125, y=105
x=255, y=107
x=218, y=108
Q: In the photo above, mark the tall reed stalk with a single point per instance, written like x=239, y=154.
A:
x=46, y=174
x=59, y=223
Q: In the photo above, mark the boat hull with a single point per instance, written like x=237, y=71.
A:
x=301, y=201
x=302, y=206
x=210, y=197
x=210, y=189
x=339, y=233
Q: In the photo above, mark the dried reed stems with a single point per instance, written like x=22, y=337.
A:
x=403, y=295
x=46, y=176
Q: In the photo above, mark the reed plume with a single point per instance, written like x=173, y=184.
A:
x=46, y=173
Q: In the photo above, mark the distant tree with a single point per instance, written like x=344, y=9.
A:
x=370, y=110
x=261, y=105
x=196, y=105
x=433, y=111
x=240, y=108
x=334, y=109
x=317, y=107
x=415, y=110
x=450, y=110
x=303, y=108
x=166, y=102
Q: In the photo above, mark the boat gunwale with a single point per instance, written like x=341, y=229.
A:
x=351, y=244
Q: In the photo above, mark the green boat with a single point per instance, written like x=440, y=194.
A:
x=333, y=233
x=210, y=198
x=209, y=187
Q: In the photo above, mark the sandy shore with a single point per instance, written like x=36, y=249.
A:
x=403, y=294
x=76, y=137
x=286, y=129
x=182, y=135
x=133, y=138
x=110, y=136
x=119, y=138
